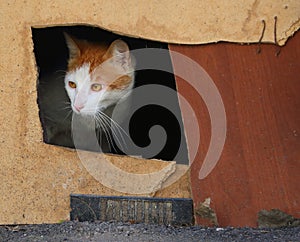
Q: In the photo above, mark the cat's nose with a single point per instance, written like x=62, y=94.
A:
x=78, y=107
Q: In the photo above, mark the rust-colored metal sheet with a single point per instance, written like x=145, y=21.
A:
x=260, y=164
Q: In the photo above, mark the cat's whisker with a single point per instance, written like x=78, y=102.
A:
x=49, y=118
x=117, y=133
x=105, y=127
x=61, y=71
x=66, y=105
x=67, y=116
x=115, y=128
x=115, y=123
x=60, y=74
x=59, y=77
x=66, y=108
x=99, y=136
x=114, y=132
x=99, y=133
x=119, y=129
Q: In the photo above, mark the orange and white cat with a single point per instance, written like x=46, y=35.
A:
x=97, y=78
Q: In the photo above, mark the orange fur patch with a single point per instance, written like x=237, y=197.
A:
x=95, y=55
x=89, y=53
x=121, y=83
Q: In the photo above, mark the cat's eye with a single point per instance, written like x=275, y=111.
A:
x=96, y=87
x=72, y=84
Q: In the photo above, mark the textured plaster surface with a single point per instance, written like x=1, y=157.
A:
x=37, y=179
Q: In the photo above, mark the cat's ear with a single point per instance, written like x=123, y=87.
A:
x=74, y=50
x=119, y=52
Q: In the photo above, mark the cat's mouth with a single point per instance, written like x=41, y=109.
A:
x=84, y=112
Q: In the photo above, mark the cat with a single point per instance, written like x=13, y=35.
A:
x=98, y=77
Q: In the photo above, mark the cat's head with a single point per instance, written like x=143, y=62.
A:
x=98, y=75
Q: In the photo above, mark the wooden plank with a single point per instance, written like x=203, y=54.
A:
x=260, y=164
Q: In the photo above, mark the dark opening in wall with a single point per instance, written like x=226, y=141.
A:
x=52, y=54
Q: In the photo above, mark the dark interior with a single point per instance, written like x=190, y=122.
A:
x=51, y=55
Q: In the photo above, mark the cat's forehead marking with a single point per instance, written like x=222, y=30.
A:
x=90, y=64
x=90, y=54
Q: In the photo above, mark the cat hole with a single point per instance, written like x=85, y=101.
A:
x=68, y=60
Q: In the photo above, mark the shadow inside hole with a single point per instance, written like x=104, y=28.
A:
x=55, y=112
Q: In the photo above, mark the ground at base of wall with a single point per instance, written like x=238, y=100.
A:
x=112, y=231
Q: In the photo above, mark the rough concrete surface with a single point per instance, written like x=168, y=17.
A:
x=112, y=231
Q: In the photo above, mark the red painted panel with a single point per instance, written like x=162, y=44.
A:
x=260, y=164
